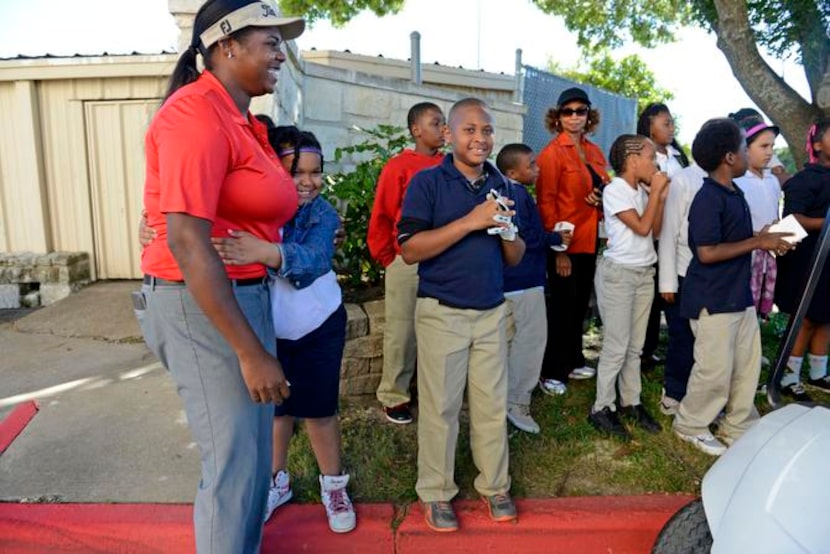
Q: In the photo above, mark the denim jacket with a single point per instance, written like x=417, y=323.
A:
x=308, y=243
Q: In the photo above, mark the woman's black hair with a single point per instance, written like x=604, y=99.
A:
x=623, y=147
x=266, y=120
x=644, y=127
x=714, y=141
x=288, y=140
x=186, y=70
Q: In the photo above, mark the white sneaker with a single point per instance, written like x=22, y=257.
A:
x=553, y=387
x=519, y=416
x=705, y=442
x=668, y=405
x=339, y=509
x=583, y=373
x=278, y=493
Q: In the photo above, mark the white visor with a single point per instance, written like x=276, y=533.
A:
x=258, y=14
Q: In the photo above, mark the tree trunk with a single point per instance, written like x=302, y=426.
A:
x=784, y=106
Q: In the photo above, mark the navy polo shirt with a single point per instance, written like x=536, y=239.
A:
x=717, y=215
x=530, y=272
x=470, y=273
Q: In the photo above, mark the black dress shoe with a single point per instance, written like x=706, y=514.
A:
x=606, y=421
x=641, y=418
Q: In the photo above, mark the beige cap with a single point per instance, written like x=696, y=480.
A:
x=259, y=14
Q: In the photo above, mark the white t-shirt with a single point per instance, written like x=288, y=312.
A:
x=625, y=247
x=763, y=194
x=297, y=312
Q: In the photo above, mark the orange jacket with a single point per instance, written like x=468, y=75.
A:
x=562, y=186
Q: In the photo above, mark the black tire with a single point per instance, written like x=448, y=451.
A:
x=687, y=532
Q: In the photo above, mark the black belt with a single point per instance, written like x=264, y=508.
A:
x=159, y=282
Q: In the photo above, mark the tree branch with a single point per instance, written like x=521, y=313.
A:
x=787, y=109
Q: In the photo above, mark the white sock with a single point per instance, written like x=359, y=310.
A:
x=792, y=374
x=818, y=366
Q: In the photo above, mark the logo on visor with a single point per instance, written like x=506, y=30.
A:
x=226, y=27
x=267, y=10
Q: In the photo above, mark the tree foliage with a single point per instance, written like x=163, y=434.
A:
x=783, y=27
x=629, y=76
x=339, y=12
x=353, y=192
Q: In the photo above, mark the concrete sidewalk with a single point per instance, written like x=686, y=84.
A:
x=110, y=427
x=107, y=463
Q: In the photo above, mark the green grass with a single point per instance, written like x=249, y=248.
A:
x=568, y=458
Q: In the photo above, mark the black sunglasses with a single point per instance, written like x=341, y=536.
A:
x=571, y=111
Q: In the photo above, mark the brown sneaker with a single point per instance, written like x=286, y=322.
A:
x=439, y=516
x=500, y=507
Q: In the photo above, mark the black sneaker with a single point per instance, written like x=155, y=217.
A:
x=606, y=421
x=399, y=414
x=641, y=418
x=822, y=383
x=796, y=392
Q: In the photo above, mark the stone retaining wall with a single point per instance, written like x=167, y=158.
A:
x=32, y=280
x=362, y=364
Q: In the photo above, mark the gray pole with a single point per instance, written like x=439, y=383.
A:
x=415, y=56
x=517, y=87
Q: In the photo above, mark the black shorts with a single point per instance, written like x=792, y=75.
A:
x=312, y=366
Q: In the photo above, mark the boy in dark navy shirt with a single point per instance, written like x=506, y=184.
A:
x=716, y=297
x=461, y=238
x=524, y=288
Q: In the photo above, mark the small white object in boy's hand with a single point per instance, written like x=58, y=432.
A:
x=562, y=227
x=789, y=225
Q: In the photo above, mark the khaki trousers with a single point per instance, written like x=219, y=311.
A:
x=399, y=348
x=458, y=348
x=527, y=333
x=725, y=374
x=624, y=296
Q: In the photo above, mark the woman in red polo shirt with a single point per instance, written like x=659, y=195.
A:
x=211, y=170
x=572, y=172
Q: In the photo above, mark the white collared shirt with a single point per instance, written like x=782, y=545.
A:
x=673, y=250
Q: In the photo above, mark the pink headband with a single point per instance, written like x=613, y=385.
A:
x=811, y=138
x=760, y=127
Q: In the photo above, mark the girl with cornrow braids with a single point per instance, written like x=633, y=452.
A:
x=624, y=282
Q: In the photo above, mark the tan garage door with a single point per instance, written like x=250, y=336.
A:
x=115, y=143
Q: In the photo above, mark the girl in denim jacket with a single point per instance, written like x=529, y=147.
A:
x=310, y=324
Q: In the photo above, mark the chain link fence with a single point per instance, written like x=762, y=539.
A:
x=618, y=114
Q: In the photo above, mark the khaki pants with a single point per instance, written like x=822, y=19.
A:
x=399, y=347
x=527, y=333
x=458, y=348
x=624, y=296
x=725, y=374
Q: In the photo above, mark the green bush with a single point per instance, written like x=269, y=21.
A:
x=354, y=193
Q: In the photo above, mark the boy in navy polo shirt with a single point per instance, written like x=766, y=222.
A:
x=524, y=288
x=461, y=239
x=716, y=297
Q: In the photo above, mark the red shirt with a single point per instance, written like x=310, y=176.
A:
x=386, y=212
x=563, y=183
x=206, y=160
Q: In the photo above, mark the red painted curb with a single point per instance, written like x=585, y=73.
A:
x=584, y=525
x=14, y=423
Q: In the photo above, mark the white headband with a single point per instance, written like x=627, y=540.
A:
x=258, y=14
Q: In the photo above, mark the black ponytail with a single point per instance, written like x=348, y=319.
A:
x=186, y=70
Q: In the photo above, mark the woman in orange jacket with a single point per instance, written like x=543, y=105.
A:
x=572, y=172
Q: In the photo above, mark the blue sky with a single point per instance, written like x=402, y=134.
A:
x=475, y=34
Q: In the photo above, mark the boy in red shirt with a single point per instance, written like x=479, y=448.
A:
x=426, y=125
